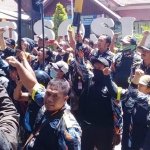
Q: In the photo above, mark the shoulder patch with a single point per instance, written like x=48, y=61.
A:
x=54, y=124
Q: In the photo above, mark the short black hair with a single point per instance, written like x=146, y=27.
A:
x=12, y=68
x=108, y=39
x=62, y=83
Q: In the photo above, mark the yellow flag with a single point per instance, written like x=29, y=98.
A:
x=78, y=6
x=3, y=20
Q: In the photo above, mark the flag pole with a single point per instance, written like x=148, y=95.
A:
x=77, y=14
x=19, y=24
x=72, y=8
x=43, y=32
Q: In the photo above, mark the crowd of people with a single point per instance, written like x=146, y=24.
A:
x=82, y=96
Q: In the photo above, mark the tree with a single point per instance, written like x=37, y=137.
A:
x=58, y=17
x=139, y=36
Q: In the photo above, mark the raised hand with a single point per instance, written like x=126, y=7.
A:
x=2, y=30
x=21, y=55
x=139, y=73
x=106, y=71
x=12, y=61
x=146, y=33
x=115, y=35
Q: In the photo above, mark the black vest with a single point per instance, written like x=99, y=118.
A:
x=123, y=69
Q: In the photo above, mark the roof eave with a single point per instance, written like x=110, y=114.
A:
x=47, y=3
x=115, y=3
x=107, y=10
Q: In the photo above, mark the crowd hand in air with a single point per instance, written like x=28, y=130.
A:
x=10, y=29
x=146, y=33
x=70, y=32
x=138, y=74
x=2, y=30
x=21, y=55
x=106, y=71
x=19, y=83
x=115, y=35
x=12, y=61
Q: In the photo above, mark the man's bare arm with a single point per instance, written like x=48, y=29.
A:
x=27, y=79
x=2, y=40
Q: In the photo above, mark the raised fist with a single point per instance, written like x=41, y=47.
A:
x=139, y=73
x=2, y=30
x=106, y=71
x=115, y=35
x=146, y=33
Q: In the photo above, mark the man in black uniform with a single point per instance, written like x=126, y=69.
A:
x=144, y=64
x=56, y=120
x=121, y=67
x=123, y=61
x=96, y=109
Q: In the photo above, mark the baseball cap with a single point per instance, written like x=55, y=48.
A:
x=147, y=47
x=10, y=41
x=63, y=66
x=145, y=80
x=45, y=36
x=42, y=77
x=128, y=39
x=101, y=60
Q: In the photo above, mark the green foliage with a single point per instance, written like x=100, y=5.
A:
x=118, y=43
x=140, y=36
x=58, y=17
x=136, y=35
x=145, y=28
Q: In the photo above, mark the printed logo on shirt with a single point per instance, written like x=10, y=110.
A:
x=130, y=102
x=54, y=124
x=104, y=91
x=118, y=63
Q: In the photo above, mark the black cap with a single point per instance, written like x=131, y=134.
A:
x=42, y=77
x=10, y=41
x=128, y=39
x=45, y=36
x=101, y=60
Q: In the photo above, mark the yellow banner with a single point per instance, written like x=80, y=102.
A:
x=78, y=6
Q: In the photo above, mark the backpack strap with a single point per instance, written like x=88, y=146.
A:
x=39, y=129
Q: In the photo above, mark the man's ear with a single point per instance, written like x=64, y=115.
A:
x=46, y=56
x=108, y=45
x=66, y=98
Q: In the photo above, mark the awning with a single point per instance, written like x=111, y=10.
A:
x=107, y=10
x=12, y=15
x=3, y=16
